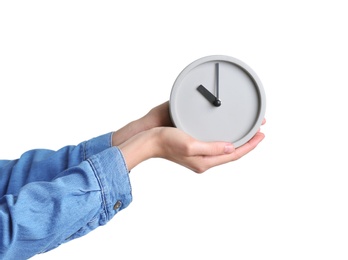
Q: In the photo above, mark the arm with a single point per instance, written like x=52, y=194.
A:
x=51, y=197
x=44, y=165
x=63, y=196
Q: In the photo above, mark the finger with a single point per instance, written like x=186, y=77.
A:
x=211, y=159
x=212, y=148
x=249, y=146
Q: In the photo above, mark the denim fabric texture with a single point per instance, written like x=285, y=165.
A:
x=51, y=197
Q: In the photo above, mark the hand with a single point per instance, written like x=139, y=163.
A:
x=174, y=145
x=200, y=156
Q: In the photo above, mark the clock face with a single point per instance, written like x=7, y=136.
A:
x=218, y=98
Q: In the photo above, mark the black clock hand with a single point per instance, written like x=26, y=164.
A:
x=209, y=96
x=217, y=102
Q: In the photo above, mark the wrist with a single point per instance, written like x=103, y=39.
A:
x=140, y=147
x=128, y=131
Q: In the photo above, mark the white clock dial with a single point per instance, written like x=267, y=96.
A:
x=228, y=80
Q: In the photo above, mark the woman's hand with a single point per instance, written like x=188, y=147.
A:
x=176, y=146
x=200, y=156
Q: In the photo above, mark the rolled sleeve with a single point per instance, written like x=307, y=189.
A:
x=97, y=145
x=112, y=175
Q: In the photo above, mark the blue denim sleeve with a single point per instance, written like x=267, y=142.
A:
x=49, y=198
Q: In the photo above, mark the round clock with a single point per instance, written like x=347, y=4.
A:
x=218, y=98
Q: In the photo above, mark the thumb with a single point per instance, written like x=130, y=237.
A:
x=213, y=148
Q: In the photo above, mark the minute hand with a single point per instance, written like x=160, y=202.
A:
x=209, y=96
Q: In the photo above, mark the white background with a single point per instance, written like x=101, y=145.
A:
x=72, y=70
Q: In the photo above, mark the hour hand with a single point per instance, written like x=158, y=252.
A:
x=209, y=96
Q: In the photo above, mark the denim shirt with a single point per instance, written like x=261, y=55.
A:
x=51, y=197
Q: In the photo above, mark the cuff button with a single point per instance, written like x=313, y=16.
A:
x=117, y=205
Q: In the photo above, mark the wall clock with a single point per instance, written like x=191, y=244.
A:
x=218, y=98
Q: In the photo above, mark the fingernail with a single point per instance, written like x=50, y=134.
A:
x=229, y=148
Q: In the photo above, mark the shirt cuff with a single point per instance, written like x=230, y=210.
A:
x=97, y=145
x=112, y=174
